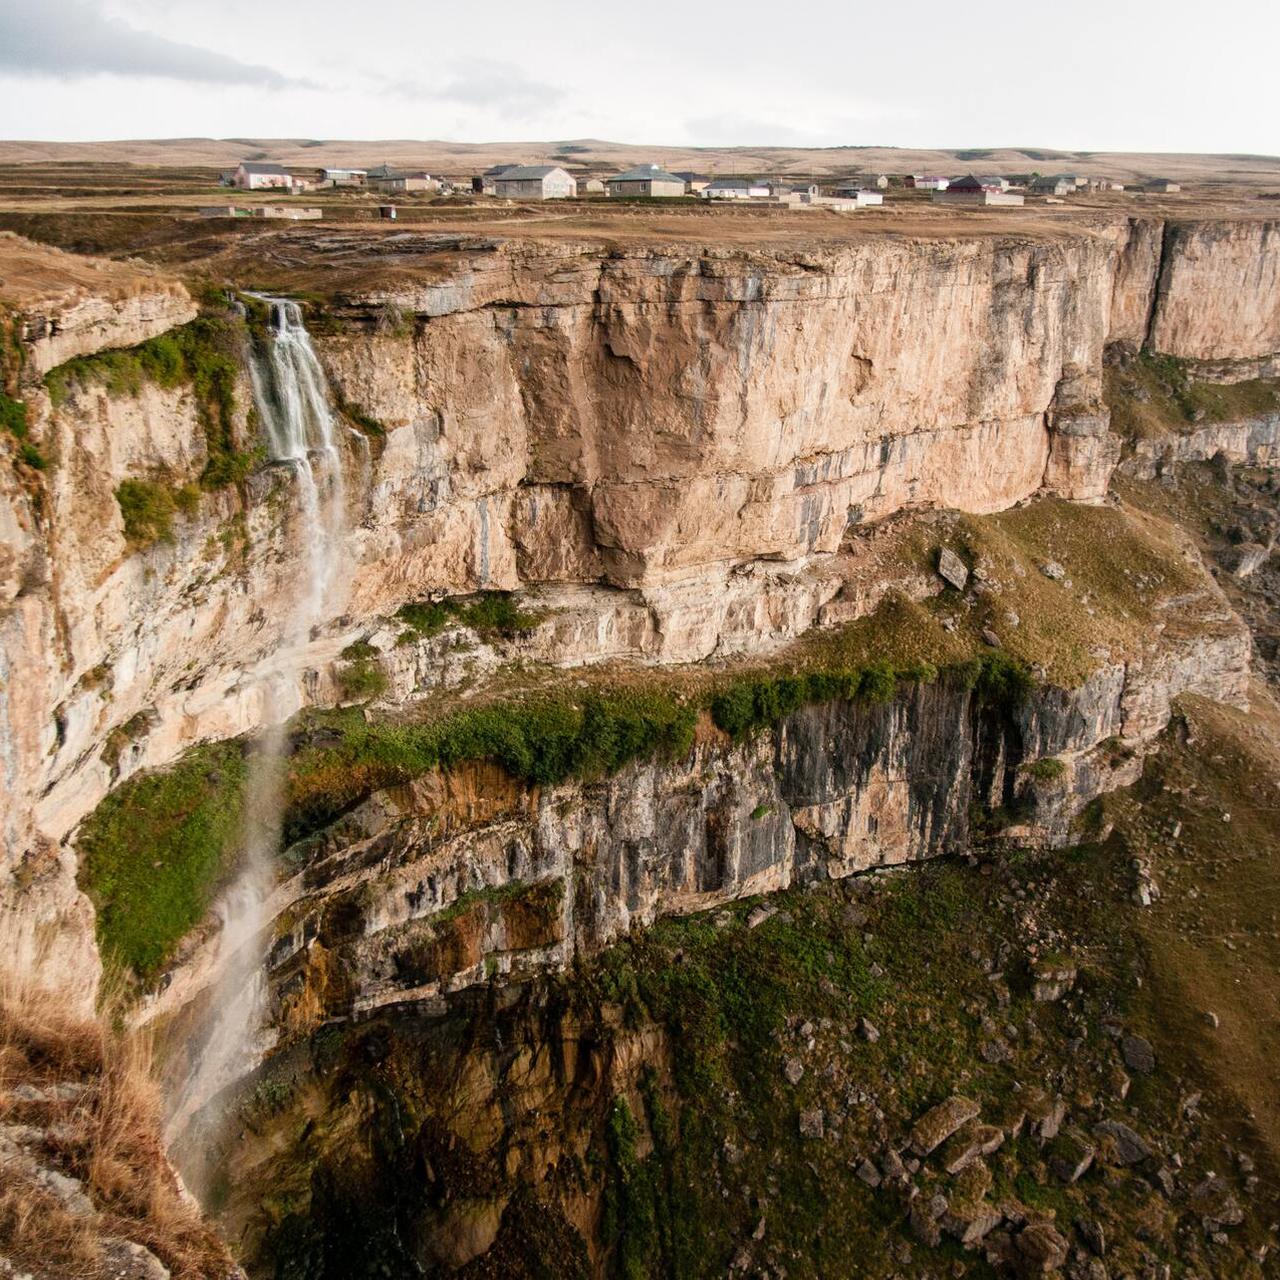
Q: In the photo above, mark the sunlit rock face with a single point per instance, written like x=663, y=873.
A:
x=676, y=439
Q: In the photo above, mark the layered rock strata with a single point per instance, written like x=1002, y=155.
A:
x=683, y=426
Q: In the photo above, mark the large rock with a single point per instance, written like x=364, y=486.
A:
x=1127, y=1146
x=938, y=1123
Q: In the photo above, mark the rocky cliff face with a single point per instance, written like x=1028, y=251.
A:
x=443, y=883
x=676, y=441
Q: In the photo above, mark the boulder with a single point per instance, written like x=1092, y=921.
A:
x=1127, y=1146
x=968, y=1144
x=1070, y=1155
x=951, y=569
x=1045, y=1113
x=811, y=1123
x=940, y=1122
x=1041, y=1249
x=1052, y=979
x=1138, y=1054
x=1215, y=1202
x=1246, y=558
x=1094, y=1237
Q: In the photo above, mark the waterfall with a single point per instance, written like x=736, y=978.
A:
x=291, y=396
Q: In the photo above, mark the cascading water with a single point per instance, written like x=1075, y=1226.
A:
x=292, y=399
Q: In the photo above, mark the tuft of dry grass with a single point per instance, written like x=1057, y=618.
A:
x=87, y=1090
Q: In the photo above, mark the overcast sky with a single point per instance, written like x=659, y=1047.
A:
x=1094, y=74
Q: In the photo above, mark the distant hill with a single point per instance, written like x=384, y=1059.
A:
x=452, y=158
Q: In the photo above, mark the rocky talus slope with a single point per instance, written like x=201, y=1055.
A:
x=747, y=653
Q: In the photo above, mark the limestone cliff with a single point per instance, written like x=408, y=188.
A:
x=677, y=441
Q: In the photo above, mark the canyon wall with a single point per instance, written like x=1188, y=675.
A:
x=442, y=883
x=677, y=440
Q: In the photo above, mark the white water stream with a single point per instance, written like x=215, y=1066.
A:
x=292, y=398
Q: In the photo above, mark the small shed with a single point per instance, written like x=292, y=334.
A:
x=1163, y=185
x=342, y=177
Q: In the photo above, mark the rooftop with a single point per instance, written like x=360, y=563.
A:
x=647, y=173
x=528, y=172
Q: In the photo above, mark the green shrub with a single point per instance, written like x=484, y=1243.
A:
x=758, y=702
x=13, y=416
x=1048, y=769
x=32, y=456
x=1002, y=681
x=489, y=612
x=13, y=419
x=147, y=508
x=361, y=680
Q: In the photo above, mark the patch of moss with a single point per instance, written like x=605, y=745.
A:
x=155, y=851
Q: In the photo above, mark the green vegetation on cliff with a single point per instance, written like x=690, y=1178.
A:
x=148, y=508
x=154, y=853
x=487, y=612
x=156, y=850
x=1152, y=395
x=204, y=355
x=13, y=420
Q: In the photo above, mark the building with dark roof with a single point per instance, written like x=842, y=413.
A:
x=646, y=180
x=971, y=190
x=535, y=182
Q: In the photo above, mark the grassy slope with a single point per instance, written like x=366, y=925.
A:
x=692, y=1154
x=1154, y=395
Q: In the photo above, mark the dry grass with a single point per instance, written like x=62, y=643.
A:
x=1206, y=820
x=89, y=1091
x=36, y=274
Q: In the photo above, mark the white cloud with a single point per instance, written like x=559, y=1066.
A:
x=74, y=38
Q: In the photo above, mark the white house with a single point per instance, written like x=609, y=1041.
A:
x=859, y=196
x=249, y=175
x=342, y=177
x=535, y=182
x=736, y=189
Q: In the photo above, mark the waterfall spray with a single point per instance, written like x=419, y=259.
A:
x=291, y=395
